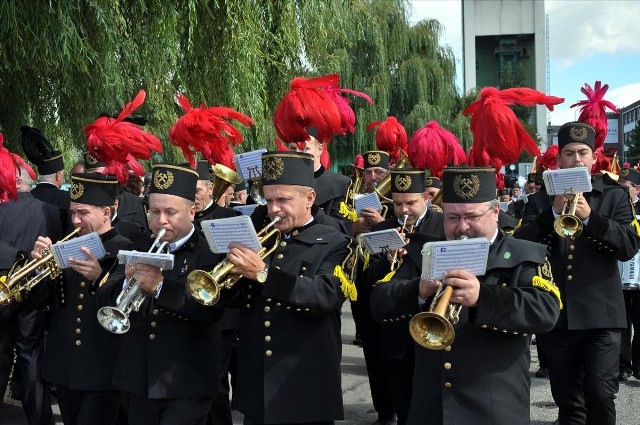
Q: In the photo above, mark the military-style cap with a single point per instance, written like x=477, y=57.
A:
x=203, y=168
x=432, y=182
x=174, y=180
x=407, y=180
x=91, y=161
x=576, y=132
x=240, y=187
x=503, y=192
x=376, y=159
x=94, y=189
x=40, y=151
x=535, y=178
x=287, y=167
x=468, y=185
x=630, y=174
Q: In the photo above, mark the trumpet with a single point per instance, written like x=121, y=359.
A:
x=16, y=283
x=434, y=329
x=205, y=287
x=395, y=261
x=567, y=224
x=116, y=319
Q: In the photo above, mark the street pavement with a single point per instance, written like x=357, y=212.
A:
x=358, y=409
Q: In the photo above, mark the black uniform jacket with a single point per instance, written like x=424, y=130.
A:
x=80, y=353
x=395, y=338
x=130, y=208
x=290, y=350
x=331, y=190
x=49, y=193
x=483, y=377
x=138, y=235
x=169, y=352
x=586, y=269
x=213, y=212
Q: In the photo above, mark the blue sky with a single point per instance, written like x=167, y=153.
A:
x=588, y=41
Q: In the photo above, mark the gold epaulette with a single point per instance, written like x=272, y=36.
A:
x=544, y=281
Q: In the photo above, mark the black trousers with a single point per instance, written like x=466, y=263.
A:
x=249, y=421
x=145, y=411
x=88, y=407
x=220, y=413
x=399, y=374
x=583, y=371
x=630, y=348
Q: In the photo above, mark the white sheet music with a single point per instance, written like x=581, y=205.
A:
x=368, y=200
x=62, y=251
x=566, y=180
x=162, y=261
x=504, y=206
x=249, y=164
x=376, y=242
x=466, y=254
x=223, y=231
x=246, y=209
x=629, y=273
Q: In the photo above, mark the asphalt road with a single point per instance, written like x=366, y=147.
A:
x=357, y=398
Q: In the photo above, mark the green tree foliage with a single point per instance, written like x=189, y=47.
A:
x=63, y=63
x=632, y=155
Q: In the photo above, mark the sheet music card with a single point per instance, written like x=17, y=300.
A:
x=466, y=254
x=567, y=180
x=62, y=251
x=162, y=261
x=223, y=231
x=246, y=209
x=368, y=200
x=382, y=240
x=249, y=164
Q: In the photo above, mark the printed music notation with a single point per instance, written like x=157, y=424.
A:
x=567, y=180
x=223, y=231
x=388, y=239
x=249, y=164
x=62, y=251
x=161, y=261
x=246, y=209
x=466, y=254
x=367, y=200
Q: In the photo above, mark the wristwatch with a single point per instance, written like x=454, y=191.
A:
x=261, y=276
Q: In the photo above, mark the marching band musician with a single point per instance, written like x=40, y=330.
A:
x=583, y=350
x=394, y=345
x=432, y=186
x=206, y=206
x=290, y=343
x=630, y=348
x=167, y=368
x=483, y=376
x=376, y=168
x=80, y=355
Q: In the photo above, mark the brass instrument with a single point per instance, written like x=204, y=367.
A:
x=16, y=283
x=434, y=329
x=358, y=183
x=255, y=177
x=395, y=261
x=222, y=177
x=383, y=188
x=205, y=286
x=567, y=224
x=116, y=319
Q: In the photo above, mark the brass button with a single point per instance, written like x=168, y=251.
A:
x=447, y=384
x=80, y=307
x=267, y=309
x=278, y=304
x=569, y=267
x=78, y=331
x=504, y=285
x=570, y=256
x=569, y=277
x=155, y=312
x=81, y=296
x=283, y=244
x=268, y=353
x=267, y=323
x=447, y=365
x=279, y=256
x=484, y=326
x=82, y=284
x=248, y=305
x=268, y=300
x=267, y=338
x=78, y=342
x=154, y=324
x=447, y=348
x=572, y=247
x=304, y=269
x=152, y=336
x=78, y=320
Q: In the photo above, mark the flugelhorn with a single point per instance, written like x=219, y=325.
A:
x=567, y=224
x=16, y=283
x=221, y=178
x=434, y=329
x=116, y=319
x=205, y=286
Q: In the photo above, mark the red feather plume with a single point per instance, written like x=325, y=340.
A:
x=548, y=160
x=119, y=143
x=500, y=181
x=593, y=112
x=433, y=148
x=602, y=163
x=347, y=116
x=358, y=161
x=10, y=164
x=495, y=127
x=391, y=137
x=281, y=146
x=208, y=131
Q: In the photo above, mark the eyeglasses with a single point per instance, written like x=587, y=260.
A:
x=467, y=218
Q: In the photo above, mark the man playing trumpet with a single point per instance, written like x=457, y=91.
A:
x=483, y=376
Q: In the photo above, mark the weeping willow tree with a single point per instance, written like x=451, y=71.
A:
x=64, y=63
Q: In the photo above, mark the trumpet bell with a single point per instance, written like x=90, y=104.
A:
x=5, y=293
x=431, y=330
x=568, y=226
x=203, y=287
x=113, y=320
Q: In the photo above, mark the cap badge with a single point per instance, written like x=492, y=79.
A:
x=578, y=134
x=402, y=182
x=90, y=159
x=272, y=168
x=428, y=181
x=624, y=172
x=374, y=159
x=162, y=180
x=76, y=191
x=466, y=187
